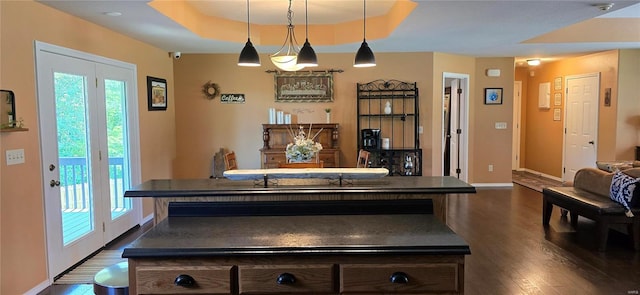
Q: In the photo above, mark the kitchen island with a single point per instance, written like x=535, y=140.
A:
x=435, y=188
x=299, y=236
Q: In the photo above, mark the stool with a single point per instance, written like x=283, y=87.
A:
x=112, y=280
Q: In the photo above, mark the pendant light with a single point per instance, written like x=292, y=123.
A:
x=307, y=56
x=249, y=55
x=364, y=57
x=286, y=58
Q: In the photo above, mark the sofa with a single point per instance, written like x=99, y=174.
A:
x=588, y=196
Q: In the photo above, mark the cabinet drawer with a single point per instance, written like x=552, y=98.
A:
x=308, y=279
x=161, y=279
x=274, y=158
x=441, y=277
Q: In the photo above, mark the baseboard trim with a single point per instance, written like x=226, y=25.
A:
x=39, y=288
x=146, y=219
x=543, y=175
x=497, y=184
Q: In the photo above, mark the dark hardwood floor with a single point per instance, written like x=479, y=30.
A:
x=511, y=253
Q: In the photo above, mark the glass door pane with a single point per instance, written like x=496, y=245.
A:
x=76, y=191
x=115, y=96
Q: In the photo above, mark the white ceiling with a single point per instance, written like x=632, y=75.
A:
x=473, y=28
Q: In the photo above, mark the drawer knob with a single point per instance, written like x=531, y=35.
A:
x=286, y=279
x=184, y=281
x=399, y=278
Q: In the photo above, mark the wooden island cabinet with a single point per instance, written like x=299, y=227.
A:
x=246, y=239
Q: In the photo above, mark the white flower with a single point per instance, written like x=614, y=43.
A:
x=302, y=148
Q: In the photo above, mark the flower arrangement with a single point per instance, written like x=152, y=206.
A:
x=303, y=148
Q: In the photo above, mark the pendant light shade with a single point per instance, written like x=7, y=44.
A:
x=307, y=56
x=249, y=55
x=364, y=56
x=286, y=58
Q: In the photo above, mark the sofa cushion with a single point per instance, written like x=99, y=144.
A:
x=623, y=188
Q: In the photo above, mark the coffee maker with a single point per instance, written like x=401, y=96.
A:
x=371, y=139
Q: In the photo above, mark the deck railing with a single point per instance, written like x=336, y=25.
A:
x=74, y=183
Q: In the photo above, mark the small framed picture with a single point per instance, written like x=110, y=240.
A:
x=157, y=94
x=493, y=96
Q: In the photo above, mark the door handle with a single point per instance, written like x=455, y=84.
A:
x=591, y=142
x=53, y=183
x=52, y=167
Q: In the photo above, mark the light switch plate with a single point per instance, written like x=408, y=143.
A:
x=15, y=156
x=501, y=125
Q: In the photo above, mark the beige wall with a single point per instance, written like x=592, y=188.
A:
x=204, y=126
x=544, y=137
x=492, y=146
x=23, y=256
x=628, y=105
x=618, y=124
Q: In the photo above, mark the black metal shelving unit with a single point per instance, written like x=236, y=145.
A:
x=400, y=125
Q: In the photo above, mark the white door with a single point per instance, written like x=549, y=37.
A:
x=88, y=156
x=581, y=123
x=517, y=112
x=459, y=148
x=454, y=168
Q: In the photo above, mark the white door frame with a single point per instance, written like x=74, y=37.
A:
x=517, y=125
x=132, y=122
x=463, y=144
x=566, y=115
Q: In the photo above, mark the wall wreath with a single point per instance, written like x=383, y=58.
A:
x=210, y=90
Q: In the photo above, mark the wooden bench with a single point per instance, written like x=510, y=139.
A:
x=602, y=210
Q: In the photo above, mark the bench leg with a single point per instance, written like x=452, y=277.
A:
x=602, y=235
x=574, y=219
x=547, y=208
x=634, y=233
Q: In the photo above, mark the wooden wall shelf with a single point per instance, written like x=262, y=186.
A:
x=13, y=129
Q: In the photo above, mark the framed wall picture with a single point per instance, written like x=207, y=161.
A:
x=157, y=94
x=493, y=96
x=303, y=87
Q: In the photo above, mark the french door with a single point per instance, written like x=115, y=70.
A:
x=88, y=133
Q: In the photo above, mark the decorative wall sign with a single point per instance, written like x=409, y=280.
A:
x=232, y=98
x=157, y=94
x=557, y=83
x=493, y=96
x=557, y=114
x=304, y=87
x=557, y=99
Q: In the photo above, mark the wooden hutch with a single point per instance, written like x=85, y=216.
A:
x=277, y=136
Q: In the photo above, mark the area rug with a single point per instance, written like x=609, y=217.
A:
x=533, y=181
x=84, y=273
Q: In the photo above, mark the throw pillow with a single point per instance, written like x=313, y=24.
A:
x=622, y=190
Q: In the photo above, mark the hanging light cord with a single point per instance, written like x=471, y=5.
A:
x=306, y=21
x=248, y=26
x=364, y=20
x=290, y=14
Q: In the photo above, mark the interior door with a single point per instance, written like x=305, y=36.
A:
x=454, y=159
x=517, y=112
x=87, y=154
x=581, y=123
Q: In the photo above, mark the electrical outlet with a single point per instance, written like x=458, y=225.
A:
x=501, y=125
x=15, y=156
x=490, y=168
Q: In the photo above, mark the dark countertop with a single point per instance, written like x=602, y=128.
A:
x=221, y=187
x=298, y=235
